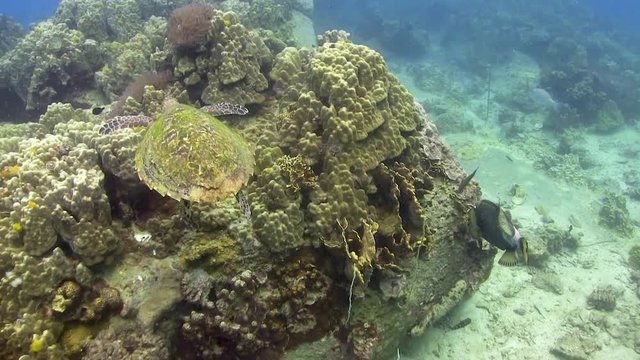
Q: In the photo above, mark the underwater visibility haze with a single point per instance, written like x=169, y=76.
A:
x=298, y=179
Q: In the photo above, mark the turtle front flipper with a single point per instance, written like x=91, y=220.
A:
x=123, y=122
x=225, y=108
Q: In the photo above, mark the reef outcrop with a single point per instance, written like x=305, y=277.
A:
x=351, y=232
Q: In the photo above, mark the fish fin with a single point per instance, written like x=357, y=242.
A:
x=524, y=247
x=474, y=229
x=508, y=259
x=504, y=224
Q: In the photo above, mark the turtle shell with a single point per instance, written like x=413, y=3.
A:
x=189, y=154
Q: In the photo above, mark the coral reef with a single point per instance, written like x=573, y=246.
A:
x=350, y=230
x=127, y=341
x=575, y=345
x=101, y=20
x=230, y=68
x=274, y=15
x=52, y=63
x=614, y=214
x=10, y=33
x=29, y=282
x=58, y=194
x=56, y=221
x=566, y=167
x=557, y=239
x=609, y=118
x=131, y=64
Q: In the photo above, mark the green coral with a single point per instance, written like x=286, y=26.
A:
x=67, y=202
x=59, y=113
x=550, y=240
x=275, y=198
x=213, y=251
x=31, y=283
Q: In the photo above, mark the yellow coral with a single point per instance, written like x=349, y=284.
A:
x=37, y=344
x=9, y=171
x=32, y=204
x=75, y=336
x=16, y=226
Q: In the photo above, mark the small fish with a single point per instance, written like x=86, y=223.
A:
x=97, y=110
x=460, y=324
x=493, y=224
x=467, y=180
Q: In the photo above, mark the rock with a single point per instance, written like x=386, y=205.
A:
x=574, y=347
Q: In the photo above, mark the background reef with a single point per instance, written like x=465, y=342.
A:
x=351, y=236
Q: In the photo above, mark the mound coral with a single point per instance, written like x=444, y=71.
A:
x=50, y=61
x=230, y=68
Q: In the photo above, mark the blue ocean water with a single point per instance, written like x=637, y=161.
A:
x=620, y=13
x=27, y=12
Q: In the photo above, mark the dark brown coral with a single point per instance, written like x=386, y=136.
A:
x=188, y=25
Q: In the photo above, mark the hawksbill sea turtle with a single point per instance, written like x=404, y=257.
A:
x=188, y=154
